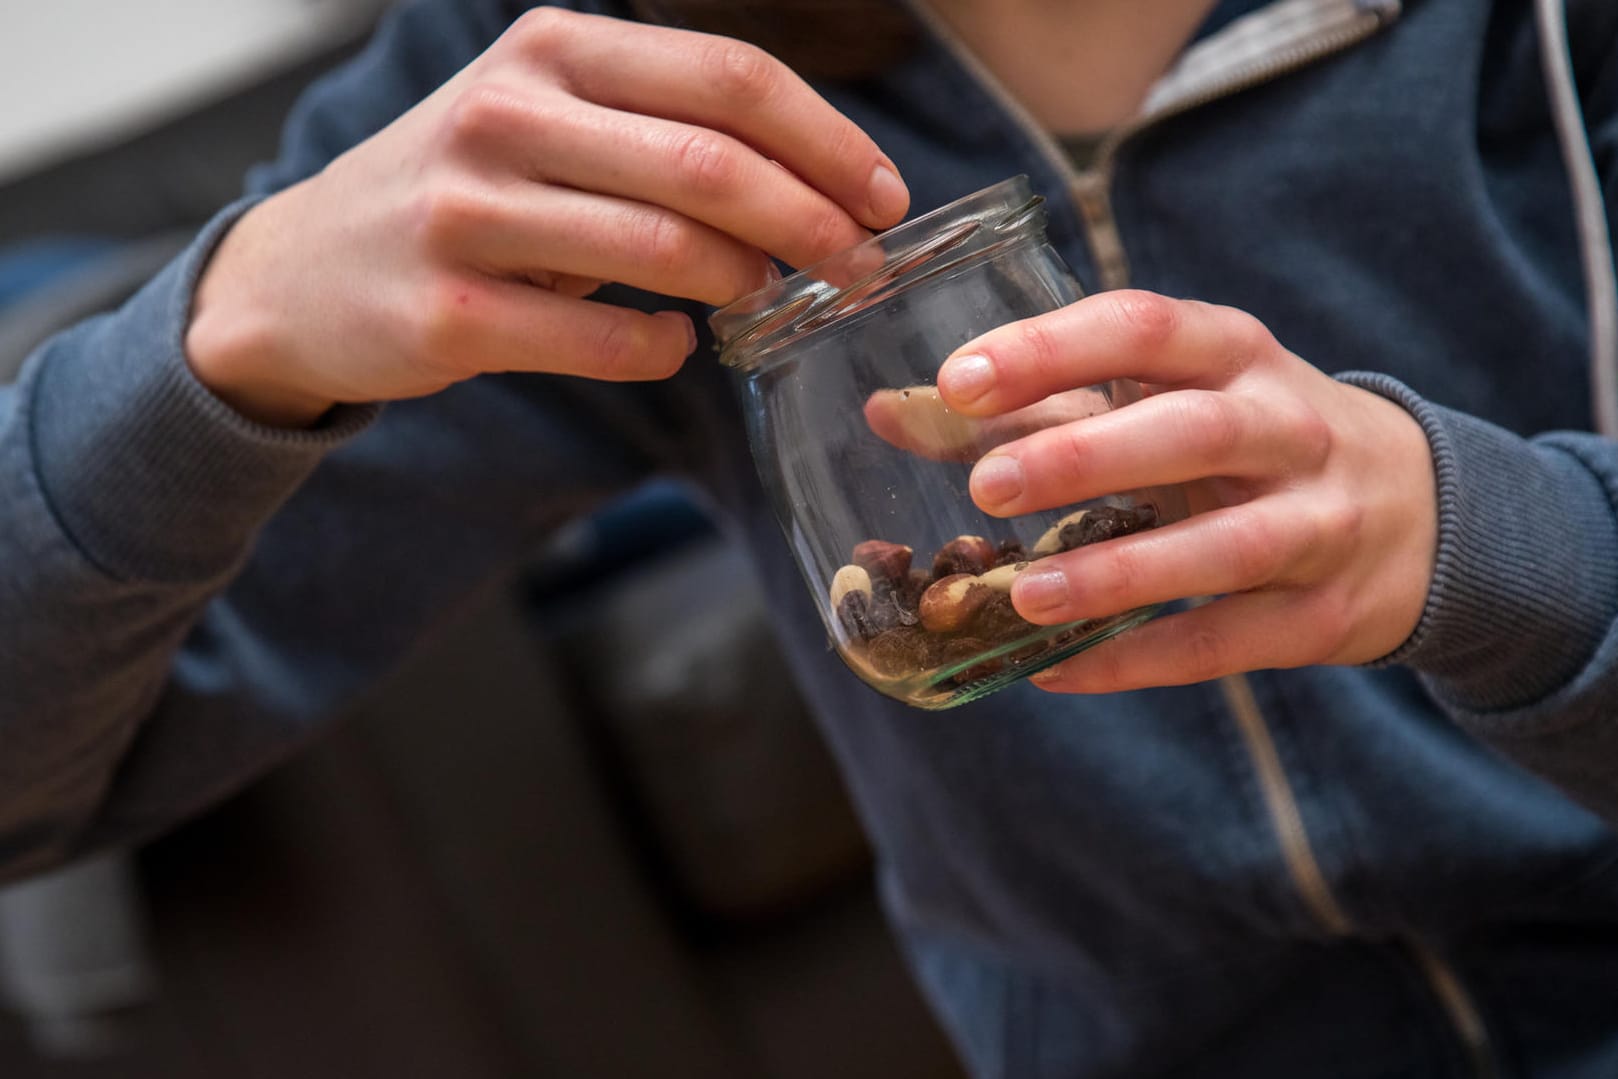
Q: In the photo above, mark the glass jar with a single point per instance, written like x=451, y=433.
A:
x=867, y=469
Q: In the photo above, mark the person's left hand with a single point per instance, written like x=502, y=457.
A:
x=1314, y=513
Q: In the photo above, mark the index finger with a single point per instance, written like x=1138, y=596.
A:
x=1111, y=335
x=742, y=91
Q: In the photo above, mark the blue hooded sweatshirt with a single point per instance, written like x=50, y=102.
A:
x=1405, y=869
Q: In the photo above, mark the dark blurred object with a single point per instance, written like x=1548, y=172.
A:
x=69, y=289
x=724, y=777
x=74, y=959
x=827, y=39
x=29, y=267
x=451, y=886
x=175, y=175
x=115, y=172
x=565, y=842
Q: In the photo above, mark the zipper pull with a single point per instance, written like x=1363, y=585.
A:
x=1092, y=190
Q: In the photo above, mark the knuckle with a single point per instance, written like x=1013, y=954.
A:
x=1034, y=342
x=1075, y=453
x=1213, y=423
x=826, y=230
x=852, y=149
x=485, y=112
x=1310, y=436
x=1249, y=340
x=658, y=241
x=1103, y=670
x=738, y=72
x=705, y=162
x=443, y=215
x=1205, y=654
x=1331, y=621
x=615, y=346
x=1348, y=521
x=542, y=32
x=1309, y=529
x=1249, y=331
x=1120, y=586
x=626, y=347
x=1334, y=524
x=436, y=325
x=1146, y=320
x=1257, y=552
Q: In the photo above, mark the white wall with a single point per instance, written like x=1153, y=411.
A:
x=75, y=74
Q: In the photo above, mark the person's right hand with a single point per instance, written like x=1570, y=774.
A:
x=464, y=237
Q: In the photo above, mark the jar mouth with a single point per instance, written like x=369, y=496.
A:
x=850, y=281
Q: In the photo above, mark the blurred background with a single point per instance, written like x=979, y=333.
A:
x=505, y=864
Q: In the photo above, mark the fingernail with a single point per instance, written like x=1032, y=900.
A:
x=966, y=378
x=1037, y=592
x=889, y=196
x=690, y=328
x=997, y=479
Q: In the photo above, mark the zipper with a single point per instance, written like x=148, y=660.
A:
x=1466, y=1022
x=1092, y=189
x=1183, y=89
x=1458, y=1005
x=1285, y=816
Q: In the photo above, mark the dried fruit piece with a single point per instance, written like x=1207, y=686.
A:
x=855, y=616
x=1084, y=527
x=1108, y=522
x=1009, y=553
x=963, y=554
x=887, y=563
x=916, y=582
x=887, y=612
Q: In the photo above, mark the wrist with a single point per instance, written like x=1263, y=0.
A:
x=236, y=342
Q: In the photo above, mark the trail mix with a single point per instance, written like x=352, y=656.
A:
x=902, y=620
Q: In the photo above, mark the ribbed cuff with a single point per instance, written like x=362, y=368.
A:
x=149, y=474
x=1526, y=577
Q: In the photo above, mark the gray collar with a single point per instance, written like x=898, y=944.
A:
x=1275, y=39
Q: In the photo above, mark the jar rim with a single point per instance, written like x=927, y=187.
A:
x=852, y=279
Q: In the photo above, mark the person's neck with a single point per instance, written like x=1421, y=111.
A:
x=1078, y=66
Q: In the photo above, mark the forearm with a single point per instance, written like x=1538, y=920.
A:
x=1519, y=640
x=131, y=495
x=188, y=595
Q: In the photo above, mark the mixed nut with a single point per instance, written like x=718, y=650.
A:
x=902, y=621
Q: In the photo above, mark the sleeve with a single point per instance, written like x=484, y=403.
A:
x=1519, y=640
x=185, y=596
